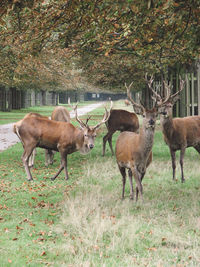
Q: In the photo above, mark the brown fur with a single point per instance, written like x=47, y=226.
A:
x=180, y=133
x=134, y=152
x=48, y=153
x=120, y=120
x=60, y=114
x=35, y=131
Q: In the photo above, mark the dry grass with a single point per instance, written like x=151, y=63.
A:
x=102, y=230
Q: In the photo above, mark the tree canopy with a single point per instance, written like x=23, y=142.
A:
x=44, y=41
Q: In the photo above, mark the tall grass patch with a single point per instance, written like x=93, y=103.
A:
x=101, y=229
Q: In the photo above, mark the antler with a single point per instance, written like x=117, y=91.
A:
x=135, y=105
x=88, y=118
x=76, y=114
x=169, y=87
x=182, y=83
x=83, y=125
x=149, y=82
x=105, y=118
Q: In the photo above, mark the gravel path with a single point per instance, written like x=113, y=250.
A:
x=8, y=138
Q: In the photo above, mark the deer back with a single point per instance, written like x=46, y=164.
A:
x=122, y=120
x=46, y=133
x=182, y=131
x=60, y=114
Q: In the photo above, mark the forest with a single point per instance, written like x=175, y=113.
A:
x=65, y=44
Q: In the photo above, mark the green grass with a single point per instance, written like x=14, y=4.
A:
x=15, y=115
x=84, y=222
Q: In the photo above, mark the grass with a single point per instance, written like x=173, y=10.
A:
x=15, y=115
x=84, y=222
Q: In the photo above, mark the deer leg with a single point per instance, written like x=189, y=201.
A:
x=63, y=165
x=137, y=191
x=32, y=158
x=110, y=144
x=131, y=183
x=173, y=158
x=105, y=139
x=123, y=173
x=25, y=159
x=182, y=153
x=48, y=157
x=65, y=168
x=139, y=187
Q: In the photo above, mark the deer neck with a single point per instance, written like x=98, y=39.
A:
x=167, y=125
x=79, y=139
x=146, y=139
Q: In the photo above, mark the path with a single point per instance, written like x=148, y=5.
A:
x=8, y=138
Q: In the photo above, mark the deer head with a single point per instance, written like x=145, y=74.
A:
x=89, y=132
x=149, y=115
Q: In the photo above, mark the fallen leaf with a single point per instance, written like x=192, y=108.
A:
x=43, y=253
x=152, y=249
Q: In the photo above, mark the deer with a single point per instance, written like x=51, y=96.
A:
x=119, y=120
x=59, y=113
x=178, y=133
x=134, y=150
x=35, y=131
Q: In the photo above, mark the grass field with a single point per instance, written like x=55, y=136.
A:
x=15, y=115
x=84, y=222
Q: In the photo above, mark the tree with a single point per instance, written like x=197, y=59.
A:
x=111, y=42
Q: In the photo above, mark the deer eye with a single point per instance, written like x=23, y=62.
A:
x=85, y=135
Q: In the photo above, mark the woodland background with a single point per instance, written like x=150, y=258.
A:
x=96, y=45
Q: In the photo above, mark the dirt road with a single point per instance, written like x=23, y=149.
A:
x=8, y=138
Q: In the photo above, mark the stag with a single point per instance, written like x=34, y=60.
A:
x=119, y=120
x=35, y=131
x=134, y=150
x=179, y=133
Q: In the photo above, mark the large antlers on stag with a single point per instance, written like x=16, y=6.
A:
x=137, y=107
x=85, y=125
x=168, y=87
x=157, y=97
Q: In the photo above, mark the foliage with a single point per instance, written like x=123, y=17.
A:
x=110, y=42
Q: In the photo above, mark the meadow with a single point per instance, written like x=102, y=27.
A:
x=84, y=221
